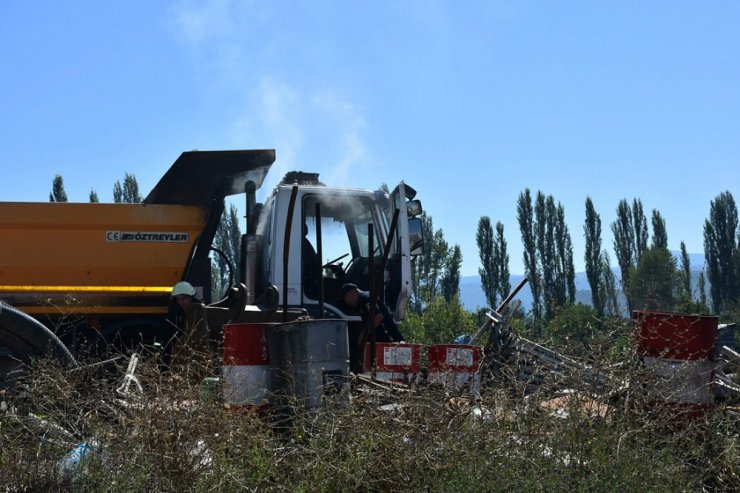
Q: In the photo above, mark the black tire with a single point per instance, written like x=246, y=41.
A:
x=27, y=338
x=17, y=347
x=14, y=357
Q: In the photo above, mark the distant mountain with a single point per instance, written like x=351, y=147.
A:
x=472, y=296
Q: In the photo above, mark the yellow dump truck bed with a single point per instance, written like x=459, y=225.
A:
x=91, y=257
x=120, y=260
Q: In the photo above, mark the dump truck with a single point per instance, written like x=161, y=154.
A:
x=77, y=275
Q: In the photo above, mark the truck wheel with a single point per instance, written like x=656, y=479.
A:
x=13, y=352
x=23, y=338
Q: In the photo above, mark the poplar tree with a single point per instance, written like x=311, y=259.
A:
x=685, y=272
x=721, y=250
x=228, y=242
x=117, y=192
x=487, y=270
x=660, y=236
x=654, y=281
x=608, y=288
x=701, y=285
x=440, y=251
x=554, y=253
x=128, y=193
x=422, y=264
x=624, y=243
x=593, y=258
x=450, y=282
x=57, y=190
x=639, y=222
x=433, y=265
x=525, y=217
x=565, y=256
x=501, y=263
x=94, y=197
x=545, y=239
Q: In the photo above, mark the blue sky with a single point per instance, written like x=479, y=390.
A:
x=470, y=102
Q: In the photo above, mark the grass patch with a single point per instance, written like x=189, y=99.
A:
x=175, y=438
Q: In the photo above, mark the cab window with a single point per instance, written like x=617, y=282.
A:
x=344, y=242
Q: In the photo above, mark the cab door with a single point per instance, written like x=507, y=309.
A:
x=407, y=243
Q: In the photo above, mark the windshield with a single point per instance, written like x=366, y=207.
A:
x=344, y=226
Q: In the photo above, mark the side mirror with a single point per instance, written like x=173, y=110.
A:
x=416, y=239
x=413, y=208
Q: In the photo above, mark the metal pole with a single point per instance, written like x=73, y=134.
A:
x=500, y=308
x=319, y=256
x=371, y=309
x=511, y=295
x=248, y=260
x=250, y=190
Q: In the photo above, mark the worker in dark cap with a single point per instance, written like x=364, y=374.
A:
x=358, y=301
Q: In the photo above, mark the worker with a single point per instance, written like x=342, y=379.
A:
x=386, y=329
x=188, y=348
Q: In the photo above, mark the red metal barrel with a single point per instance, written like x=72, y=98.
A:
x=246, y=365
x=679, y=351
x=454, y=365
x=394, y=361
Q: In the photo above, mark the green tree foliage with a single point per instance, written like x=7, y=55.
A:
x=572, y=326
x=608, y=288
x=641, y=228
x=545, y=241
x=494, y=270
x=450, y=283
x=431, y=266
x=487, y=270
x=630, y=231
x=720, y=250
x=555, y=254
x=412, y=327
x=440, y=322
x=94, y=197
x=565, y=256
x=525, y=217
x=701, y=286
x=593, y=257
x=501, y=263
x=660, y=236
x=128, y=193
x=57, y=190
x=685, y=273
x=131, y=189
x=548, y=253
x=228, y=242
x=440, y=251
x=422, y=264
x=654, y=281
x=624, y=242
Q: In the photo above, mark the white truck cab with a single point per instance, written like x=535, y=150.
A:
x=335, y=224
